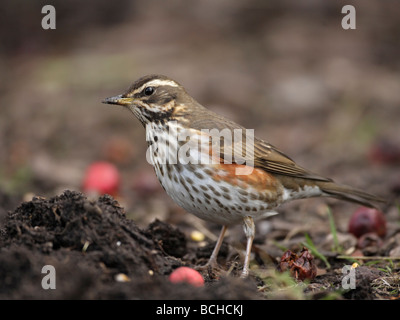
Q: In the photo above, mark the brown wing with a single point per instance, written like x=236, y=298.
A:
x=270, y=159
x=265, y=155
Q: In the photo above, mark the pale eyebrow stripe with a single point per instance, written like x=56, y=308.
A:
x=160, y=82
x=157, y=83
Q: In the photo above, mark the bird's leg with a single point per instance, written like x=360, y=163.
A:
x=249, y=231
x=213, y=259
x=212, y=262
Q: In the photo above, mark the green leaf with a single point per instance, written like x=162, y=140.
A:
x=336, y=246
x=310, y=245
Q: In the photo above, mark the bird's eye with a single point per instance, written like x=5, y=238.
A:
x=149, y=91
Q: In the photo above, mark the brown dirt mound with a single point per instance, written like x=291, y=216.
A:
x=89, y=243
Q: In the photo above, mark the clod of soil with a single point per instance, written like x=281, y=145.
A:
x=169, y=238
x=90, y=244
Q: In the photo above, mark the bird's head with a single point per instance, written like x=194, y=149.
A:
x=152, y=98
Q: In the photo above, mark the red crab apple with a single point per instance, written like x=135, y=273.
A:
x=101, y=177
x=384, y=152
x=365, y=220
x=188, y=275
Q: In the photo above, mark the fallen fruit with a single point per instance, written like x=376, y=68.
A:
x=365, y=220
x=101, y=178
x=188, y=275
x=385, y=152
x=300, y=266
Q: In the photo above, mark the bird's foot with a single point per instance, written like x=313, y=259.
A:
x=211, y=269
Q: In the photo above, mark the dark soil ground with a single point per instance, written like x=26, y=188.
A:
x=91, y=244
x=54, y=232
x=327, y=97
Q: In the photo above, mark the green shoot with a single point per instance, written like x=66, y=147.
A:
x=310, y=245
x=336, y=246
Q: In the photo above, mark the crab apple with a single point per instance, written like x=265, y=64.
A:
x=365, y=220
x=101, y=177
x=384, y=152
x=188, y=275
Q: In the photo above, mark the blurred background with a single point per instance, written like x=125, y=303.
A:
x=327, y=97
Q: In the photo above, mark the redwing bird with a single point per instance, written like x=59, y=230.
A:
x=247, y=187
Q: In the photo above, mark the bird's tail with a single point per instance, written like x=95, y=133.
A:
x=351, y=194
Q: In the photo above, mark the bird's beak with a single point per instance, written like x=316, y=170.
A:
x=125, y=102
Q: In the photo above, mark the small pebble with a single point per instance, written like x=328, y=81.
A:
x=197, y=236
x=122, y=277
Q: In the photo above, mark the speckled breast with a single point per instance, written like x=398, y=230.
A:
x=211, y=191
